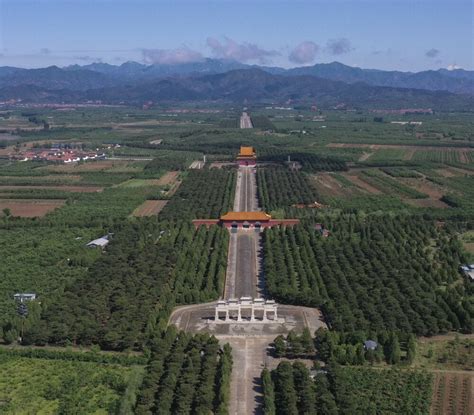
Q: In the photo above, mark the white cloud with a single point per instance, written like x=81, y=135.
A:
x=303, y=53
x=171, y=56
x=241, y=52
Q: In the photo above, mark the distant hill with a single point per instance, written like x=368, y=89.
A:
x=251, y=86
x=100, y=75
x=458, y=81
x=55, y=78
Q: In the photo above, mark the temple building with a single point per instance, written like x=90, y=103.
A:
x=246, y=220
x=247, y=156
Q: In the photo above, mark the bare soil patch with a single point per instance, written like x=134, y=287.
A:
x=452, y=394
x=447, y=172
x=327, y=185
x=168, y=178
x=78, y=189
x=30, y=208
x=149, y=208
x=424, y=186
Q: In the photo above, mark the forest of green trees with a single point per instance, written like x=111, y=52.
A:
x=348, y=348
x=151, y=265
x=281, y=188
x=186, y=375
x=294, y=389
x=203, y=194
x=372, y=273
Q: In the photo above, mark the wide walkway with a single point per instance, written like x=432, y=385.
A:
x=243, y=262
x=245, y=121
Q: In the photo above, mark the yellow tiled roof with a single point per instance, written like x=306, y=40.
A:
x=246, y=151
x=250, y=216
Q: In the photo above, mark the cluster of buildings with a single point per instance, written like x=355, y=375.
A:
x=255, y=220
x=404, y=111
x=57, y=155
x=407, y=122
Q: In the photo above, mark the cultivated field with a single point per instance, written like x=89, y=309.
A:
x=90, y=166
x=30, y=208
x=452, y=394
x=77, y=189
x=149, y=208
x=329, y=185
x=463, y=155
x=356, y=180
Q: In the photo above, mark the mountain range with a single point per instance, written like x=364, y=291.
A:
x=220, y=80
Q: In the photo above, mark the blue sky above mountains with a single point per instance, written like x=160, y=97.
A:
x=409, y=35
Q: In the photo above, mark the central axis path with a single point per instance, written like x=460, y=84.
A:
x=243, y=263
x=242, y=281
x=249, y=341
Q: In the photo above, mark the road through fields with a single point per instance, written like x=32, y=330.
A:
x=245, y=121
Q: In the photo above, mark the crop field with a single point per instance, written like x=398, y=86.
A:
x=31, y=208
x=49, y=179
x=335, y=185
x=140, y=183
x=362, y=184
x=390, y=152
x=44, y=386
x=101, y=165
x=60, y=188
x=447, y=156
x=149, y=208
x=452, y=394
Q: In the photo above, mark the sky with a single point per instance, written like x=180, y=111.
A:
x=407, y=35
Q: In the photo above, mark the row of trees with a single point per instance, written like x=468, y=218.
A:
x=203, y=194
x=310, y=162
x=348, y=348
x=186, y=374
x=168, y=160
x=293, y=389
x=396, y=273
x=282, y=188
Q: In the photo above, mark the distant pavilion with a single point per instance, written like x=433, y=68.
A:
x=247, y=156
